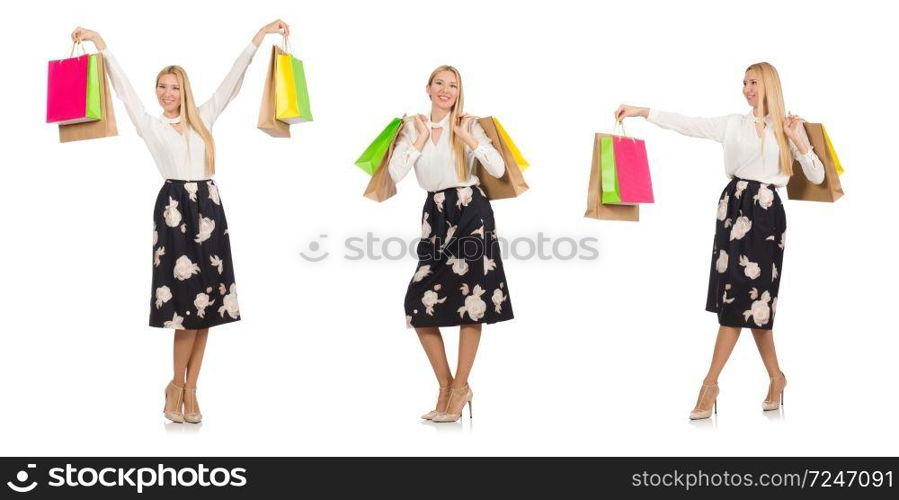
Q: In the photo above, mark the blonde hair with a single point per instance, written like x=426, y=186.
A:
x=458, y=145
x=772, y=102
x=189, y=113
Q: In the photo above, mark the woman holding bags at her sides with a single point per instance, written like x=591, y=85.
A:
x=193, y=285
x=459, y=280
x=747, y=255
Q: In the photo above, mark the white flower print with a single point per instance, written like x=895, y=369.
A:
x=425, y=227
x=155, y=235
x=721, y=263
x=770, y=238
x=759, y=311
x=774, y=273
x=185, y=268
x=765, y=197
x=474, y=305
x=728, y=223
x=464, y=289
x=498, y=298
x=724, y=297
x=201, y=302
x=191, y=188
x=460, y=266
x=752, y=270
x=408, y=321
x=489, y=265
x=171, y=214
x=783, y=240
x=163, y=295
x=742, y=185
x=741, y=227
x=207, y=225
x=438, y=199
x=222, y=289
x=722, y=207
x=464, y=196
x=183, y=228
x=229, y=303
x=479, y=231
x=217, y=263
x=450, y=232
x=430, y=299
x=175, y=322
x=422, y=273
x=213, y=193
x=159, y=252
x=774, y=306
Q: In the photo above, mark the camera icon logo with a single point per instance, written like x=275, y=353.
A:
x=22, y=477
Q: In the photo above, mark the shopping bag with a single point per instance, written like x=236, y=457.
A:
x=832, y=152
x=292, y=97
x=799, y=187
x=632, y=170
x=611, y=192
x=381, y=185
x=267, y=121
x=373, y=155
x=516, y=154
x=104, y=127
x=595, y=188
x=512, y=183
x=73, y=89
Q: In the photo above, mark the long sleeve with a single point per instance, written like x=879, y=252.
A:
x=705, y=128
x=228, y=89
x=404, y=153
x=810, y=163
x=485, y=153
x=125, y=92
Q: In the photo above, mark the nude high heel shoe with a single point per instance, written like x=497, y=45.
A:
x=707, y=391
x=444, y=389
x=458, y=398
x=192, y=413
x=768, y=405
x=173, y=393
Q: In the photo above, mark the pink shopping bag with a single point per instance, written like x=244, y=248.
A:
x=632, y=169
x=67, y=90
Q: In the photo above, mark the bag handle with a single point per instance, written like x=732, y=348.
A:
x=79, y=44
x=620, y=124
x=285, y=45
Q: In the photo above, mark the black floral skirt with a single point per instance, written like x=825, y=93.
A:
x=193, y=276
x=459, y=278
x=747, y=257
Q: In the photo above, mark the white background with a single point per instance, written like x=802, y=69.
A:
x=604, y=357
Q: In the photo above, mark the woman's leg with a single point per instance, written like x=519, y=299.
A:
x=183, y=346
x=469, y=338
x=724, y=345
x=196, y=358
x=432, y=342
x=764, y=340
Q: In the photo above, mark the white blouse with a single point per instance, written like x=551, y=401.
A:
x=434, y=164
x=177, y=156
x=745, y=154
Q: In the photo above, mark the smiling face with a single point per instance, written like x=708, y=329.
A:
x=168, y=93
x=444, y=90
x=753, y=88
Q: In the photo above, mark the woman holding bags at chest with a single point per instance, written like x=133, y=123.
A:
x=459, y=280
x=747, y=255
x=193, y=285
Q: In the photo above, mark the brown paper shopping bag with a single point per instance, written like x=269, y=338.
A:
x=799, y=187
x=595, y=208
x=267, y=121
x=381, y=185
x=512, y=183
x=104, y=127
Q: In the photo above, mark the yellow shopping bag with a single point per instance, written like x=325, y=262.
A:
x=833, y=152
x=516, y=154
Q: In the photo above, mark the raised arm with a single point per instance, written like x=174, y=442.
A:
x=704, y=128
x=407, y=148
x=120, y=83
x=802, y=150
x=484, y=151
x=230, y=86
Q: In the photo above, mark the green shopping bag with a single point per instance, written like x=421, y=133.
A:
x=299, y=75
x=92, y=107
x=611, y=192
x=374, y=153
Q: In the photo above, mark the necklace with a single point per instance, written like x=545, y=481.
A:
x=176, y=119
